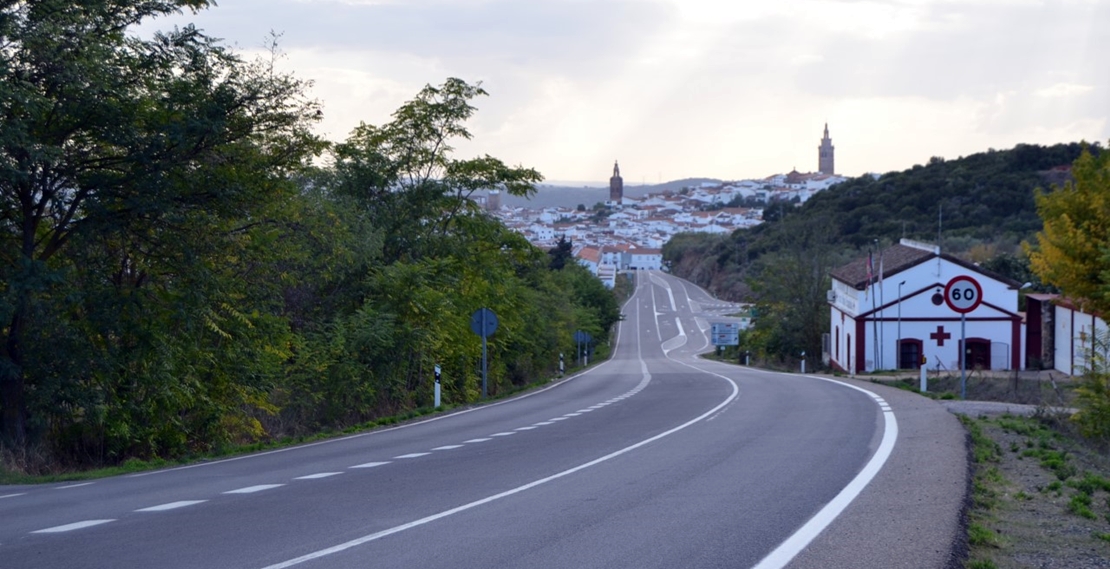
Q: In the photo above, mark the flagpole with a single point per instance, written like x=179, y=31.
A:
x=882, y=310
x=874, y=320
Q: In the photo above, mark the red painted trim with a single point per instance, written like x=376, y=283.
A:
x=861, y=354
x=945, y=319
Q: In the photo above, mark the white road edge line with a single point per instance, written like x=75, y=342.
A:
x=794, y=544
x=13, y=495
x=426, y=520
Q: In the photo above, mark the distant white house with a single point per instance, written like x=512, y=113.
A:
x=590, y=258
x=645, y=259
x=894, y=315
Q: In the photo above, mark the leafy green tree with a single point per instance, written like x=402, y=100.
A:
x=127, y=153
x=1073, y=249
x=789, y=288
x=1073, y=254
x=404, y=171
x=561, y=254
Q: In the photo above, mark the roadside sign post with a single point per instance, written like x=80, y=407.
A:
x=963, y=294
x=483, y=323
x=803, y=362
x=582, y=341
x=437, y=385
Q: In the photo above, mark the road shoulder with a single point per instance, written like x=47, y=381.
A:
x=913, y=513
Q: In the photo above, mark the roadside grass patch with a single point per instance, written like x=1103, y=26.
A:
x=1080, y=505
x=981, y=536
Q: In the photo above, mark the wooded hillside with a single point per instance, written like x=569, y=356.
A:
x=980, y=207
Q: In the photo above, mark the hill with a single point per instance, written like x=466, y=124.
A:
x=980, y=206
x=555, y=195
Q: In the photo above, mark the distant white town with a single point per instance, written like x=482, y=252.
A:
x=629, y=233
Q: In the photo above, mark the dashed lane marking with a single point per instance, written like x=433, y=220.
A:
x=253, y=489
x=171, y=506
x=448, y=447
x=370, y=464
x=73, y=526
x=413, y=455
x=317, y=476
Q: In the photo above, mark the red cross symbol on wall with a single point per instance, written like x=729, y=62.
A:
x=940, y=335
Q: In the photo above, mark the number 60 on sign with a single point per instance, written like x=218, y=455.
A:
x=963, y=294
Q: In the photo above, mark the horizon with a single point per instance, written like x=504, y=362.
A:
x=725, y=89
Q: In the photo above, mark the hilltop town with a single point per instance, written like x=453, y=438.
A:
x=623, y=233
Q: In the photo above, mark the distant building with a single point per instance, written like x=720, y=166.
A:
x=825, y=154
x=616, y=186
x=493, y=200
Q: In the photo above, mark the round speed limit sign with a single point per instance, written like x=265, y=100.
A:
x=963, y=294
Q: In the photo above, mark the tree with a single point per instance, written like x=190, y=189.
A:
x=561, y=254
x=404, y=170
x=140, y=148
x=1073, y=249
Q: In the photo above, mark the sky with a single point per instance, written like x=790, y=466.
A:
x=727, y=89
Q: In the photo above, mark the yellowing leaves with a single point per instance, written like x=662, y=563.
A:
x=1073, y=250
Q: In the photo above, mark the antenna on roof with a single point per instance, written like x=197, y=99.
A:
x=940, y=223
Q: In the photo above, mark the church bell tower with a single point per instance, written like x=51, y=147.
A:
x=616, y=185
x=825, y=154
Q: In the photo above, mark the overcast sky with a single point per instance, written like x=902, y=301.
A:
x=703, y=88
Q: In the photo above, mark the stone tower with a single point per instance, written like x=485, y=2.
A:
x=616, y=185
x=825, y=154
x=493, y=200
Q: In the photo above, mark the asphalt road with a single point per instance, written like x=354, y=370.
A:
x=654, y=458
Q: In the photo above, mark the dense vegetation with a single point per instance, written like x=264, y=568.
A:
x=178, y=275
x=1072, y=253
x=982, y=207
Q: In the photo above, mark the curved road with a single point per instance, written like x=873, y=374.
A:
x=654, y=458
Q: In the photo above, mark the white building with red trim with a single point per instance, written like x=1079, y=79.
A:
x=895, y=314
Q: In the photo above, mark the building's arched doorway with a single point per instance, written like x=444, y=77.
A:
x=978, y=353
x=909, y=353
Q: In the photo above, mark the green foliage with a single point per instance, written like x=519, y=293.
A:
x=177, y=279
x=1080, y=505
x=1073, y=249
x=561, y=254
x=1093, y=393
